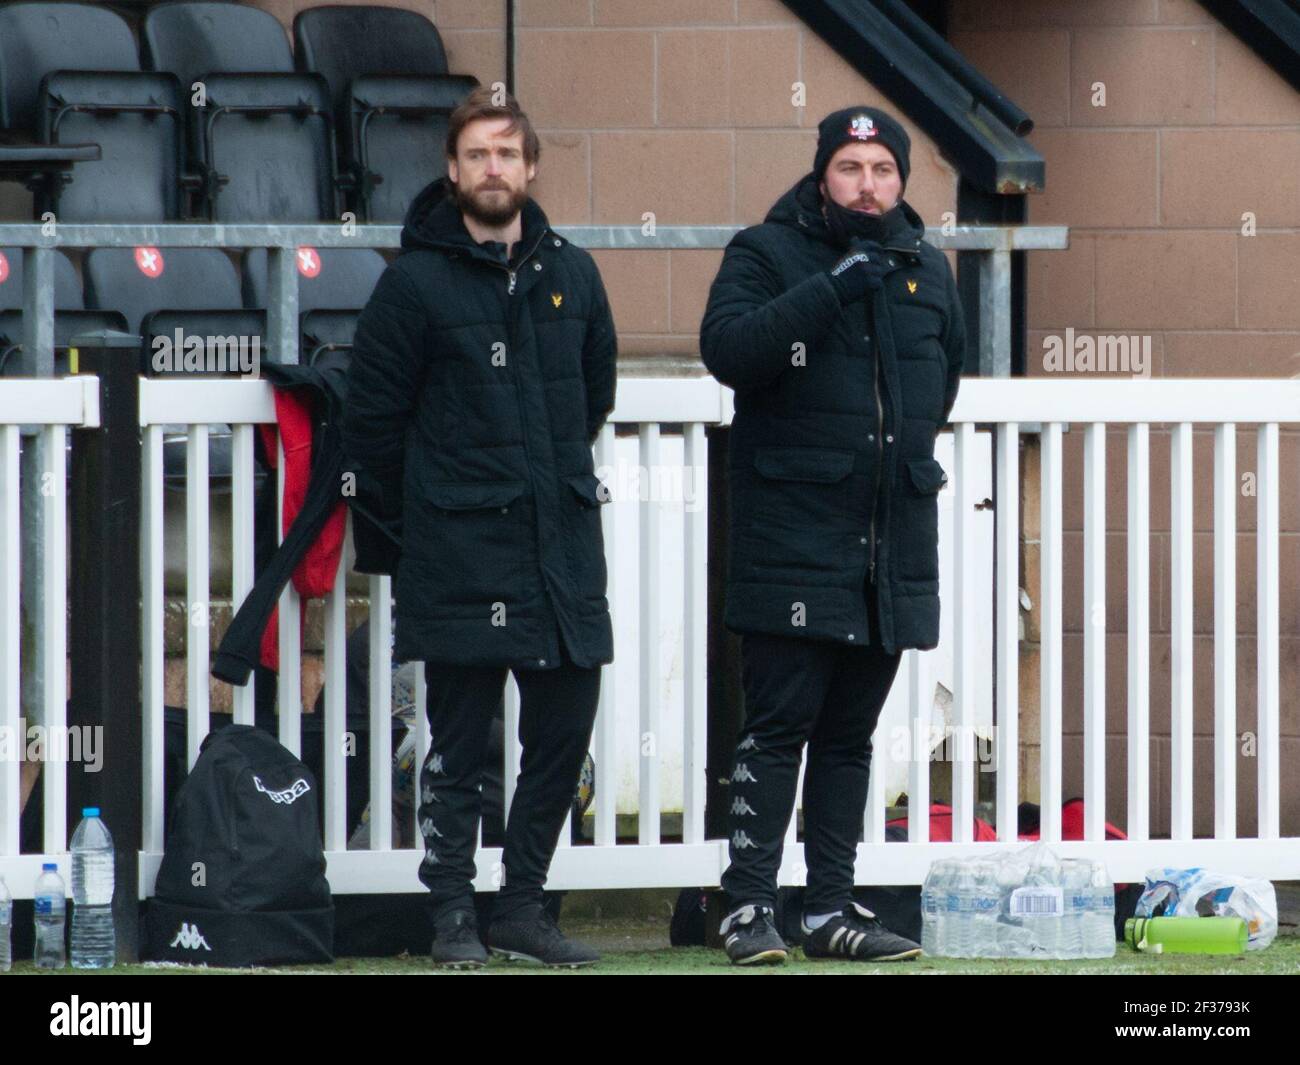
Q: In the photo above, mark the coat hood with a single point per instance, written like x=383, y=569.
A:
x=434, y=221
x=801, y=208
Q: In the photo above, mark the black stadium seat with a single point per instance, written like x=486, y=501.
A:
x=70, y=318
x=193, y=40
x=388, y=82
x=262, y=137
x=343, y=42
x=334, y=285
x=336, y=279
x=141, y=281
x=69, y=73
x=67, y=288
x=323, y=330
x=136, y=281
x=266, y=149
x=396, y=129
x=235, y=327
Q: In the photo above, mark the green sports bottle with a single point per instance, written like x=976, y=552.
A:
x=1186, y=935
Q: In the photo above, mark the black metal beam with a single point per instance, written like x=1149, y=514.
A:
x=965, y=127
x=1269, y=28
x=104, y=628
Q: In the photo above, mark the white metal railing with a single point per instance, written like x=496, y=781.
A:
x=1141, y=406
x=50, y=407
x=691, y=402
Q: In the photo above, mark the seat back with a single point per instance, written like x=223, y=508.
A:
x=328, y=278
x=136, y=281
x=37, y=39
x=193, y=40
x=346, y=41
x=397, y=129
x=70, y=74
x=67, y=287
x=268, y=142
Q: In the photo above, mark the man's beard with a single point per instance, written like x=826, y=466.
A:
x=497, y=213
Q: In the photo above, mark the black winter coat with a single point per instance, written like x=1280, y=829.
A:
x=476, y=391
x=825, y=455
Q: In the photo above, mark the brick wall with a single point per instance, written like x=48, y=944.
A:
x=1195, y=132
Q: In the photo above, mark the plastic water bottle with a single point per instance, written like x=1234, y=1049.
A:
x=942, y=888
x=94, y=945
x=6, y=924
x=934, y=907
x=950, y=929
x=938, y=882
x=50, y=906
x=987, y=898
x=1099, y=940
x=966, y=891
x=1074, y=900
x=930, y=910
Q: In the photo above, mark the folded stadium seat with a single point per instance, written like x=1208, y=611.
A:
x=334, y=285
x=387, y=74
x=140, y=281
x=261, y=134
x=70, y=315
x=323, y=331
x=69, y=73
x=239, y=336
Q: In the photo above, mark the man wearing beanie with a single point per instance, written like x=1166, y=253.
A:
x=840, y=330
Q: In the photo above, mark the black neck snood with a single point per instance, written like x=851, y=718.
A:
x=847, y=225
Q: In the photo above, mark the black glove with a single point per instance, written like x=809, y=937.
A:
x=861, y=270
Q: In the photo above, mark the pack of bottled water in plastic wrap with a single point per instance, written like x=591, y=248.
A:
x=1026, y=903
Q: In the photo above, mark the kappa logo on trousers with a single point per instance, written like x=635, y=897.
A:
x=189, y=938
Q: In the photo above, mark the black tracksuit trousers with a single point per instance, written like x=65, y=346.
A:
x=557, y=710
x=828, y=696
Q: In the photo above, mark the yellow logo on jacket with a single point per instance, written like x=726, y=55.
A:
x=557, y=298
x=911, y=286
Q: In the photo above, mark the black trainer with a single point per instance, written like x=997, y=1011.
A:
x=532, y=935
x=456, y=943
x=751, y=938
x=857, y=935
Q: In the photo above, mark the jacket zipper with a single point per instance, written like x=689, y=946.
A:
x=513, y=273
x=880, y=467
x=510, y=333
x=880, y=445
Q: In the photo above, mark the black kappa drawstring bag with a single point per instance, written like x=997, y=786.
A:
x=242, y=880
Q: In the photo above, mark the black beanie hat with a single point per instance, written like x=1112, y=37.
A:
x=864, y=124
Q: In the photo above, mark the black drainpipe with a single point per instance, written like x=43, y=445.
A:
x=510, y=47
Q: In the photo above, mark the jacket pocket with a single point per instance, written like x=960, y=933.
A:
x=589, y=488
x=811, y=464
x=586, y=538
x=474, y=495
x=926, y=475
x=916, y=523
x=465, y=544
x=795, y=516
